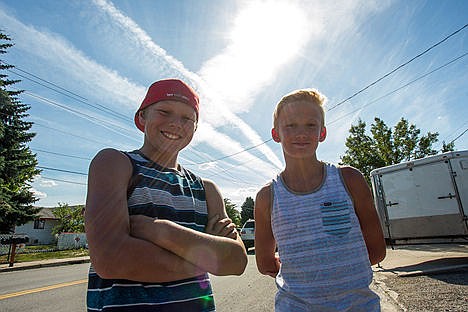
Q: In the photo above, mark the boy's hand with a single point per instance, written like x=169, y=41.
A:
x=221, y=227
x=277, y=267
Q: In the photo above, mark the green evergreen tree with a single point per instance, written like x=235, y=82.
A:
x=17, y=162
x=247, y=210
x=386, y=146
x=232, y=212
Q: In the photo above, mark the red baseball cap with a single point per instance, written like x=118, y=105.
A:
x=168, y=89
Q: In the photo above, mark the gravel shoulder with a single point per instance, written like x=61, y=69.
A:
x=423, y=278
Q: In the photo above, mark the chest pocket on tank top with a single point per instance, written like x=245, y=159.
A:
x=336, y=218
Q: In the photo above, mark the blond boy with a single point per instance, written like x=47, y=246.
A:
x=319, y=216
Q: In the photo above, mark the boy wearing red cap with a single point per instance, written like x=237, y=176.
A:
x=154, y=228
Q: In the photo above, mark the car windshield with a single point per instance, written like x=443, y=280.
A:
x=250, y=224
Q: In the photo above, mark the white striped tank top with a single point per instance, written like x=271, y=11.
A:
x=324, y=260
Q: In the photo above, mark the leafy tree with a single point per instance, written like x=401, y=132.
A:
x=386, y=146
x=232, y=212
x=359, y=144
x=247, y=210
x=447, y=147
x=70, y=219
x=17, y=162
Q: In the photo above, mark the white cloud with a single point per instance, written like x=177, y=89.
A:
x=38, y=194
x=47, y=183
x=90, y=76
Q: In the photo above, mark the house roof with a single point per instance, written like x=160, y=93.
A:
x=46, y=213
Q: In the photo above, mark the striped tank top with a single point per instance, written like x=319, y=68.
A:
x=169, y=194
x=324, y=260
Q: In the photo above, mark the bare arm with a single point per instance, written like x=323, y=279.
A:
x=220, y=251
x=366, y=213
x=267, y=261
x=114, y=253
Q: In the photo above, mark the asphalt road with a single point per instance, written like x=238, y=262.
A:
x=250, y=292
x=53, y=289
x=412, y=278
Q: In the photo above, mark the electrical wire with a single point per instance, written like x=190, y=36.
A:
x=100, y=122
x=231, y=155
x=59, y=154
x=459, y=136
x=64, y=91
x=68, y=133
x=398, y=89
x=62, y=170
x=399, y=67
x=66, y=181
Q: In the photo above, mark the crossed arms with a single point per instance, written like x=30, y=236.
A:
x=142, y=249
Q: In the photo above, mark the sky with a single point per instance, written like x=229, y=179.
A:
x=85, y=67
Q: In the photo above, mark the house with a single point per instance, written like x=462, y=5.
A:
x=39, y=231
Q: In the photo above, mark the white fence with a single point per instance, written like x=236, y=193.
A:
x=72, y=241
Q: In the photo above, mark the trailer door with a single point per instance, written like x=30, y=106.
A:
x=421, y=202
x=460, y=167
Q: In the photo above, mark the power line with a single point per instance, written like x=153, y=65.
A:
x=231, y=155
x=62, y=170
x=80, y=98
x=459, y=136
x=66, y=181
x=455, y=131
x=399, y=67
x=232, y=178
x=83, y=98
x=227, y=169
x=41, y=79
x=95, y=120
x=399, y=88
x=59, y=154
x=68, y=133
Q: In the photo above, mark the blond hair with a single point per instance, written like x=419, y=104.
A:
x=309, y=95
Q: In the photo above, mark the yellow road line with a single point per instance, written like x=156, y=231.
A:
x=35, y=290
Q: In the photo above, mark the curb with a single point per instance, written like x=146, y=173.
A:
x=446, y=269
x=42, y=264
x=388, y=299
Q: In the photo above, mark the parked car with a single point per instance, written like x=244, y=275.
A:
x=247, y=233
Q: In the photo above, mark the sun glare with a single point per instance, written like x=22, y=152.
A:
x=273, y=30
x=265, y=35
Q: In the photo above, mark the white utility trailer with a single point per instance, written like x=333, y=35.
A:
x=424, y=200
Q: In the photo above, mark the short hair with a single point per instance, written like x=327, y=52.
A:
x=310, y=95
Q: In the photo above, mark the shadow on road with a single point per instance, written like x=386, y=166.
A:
x=437, y=269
